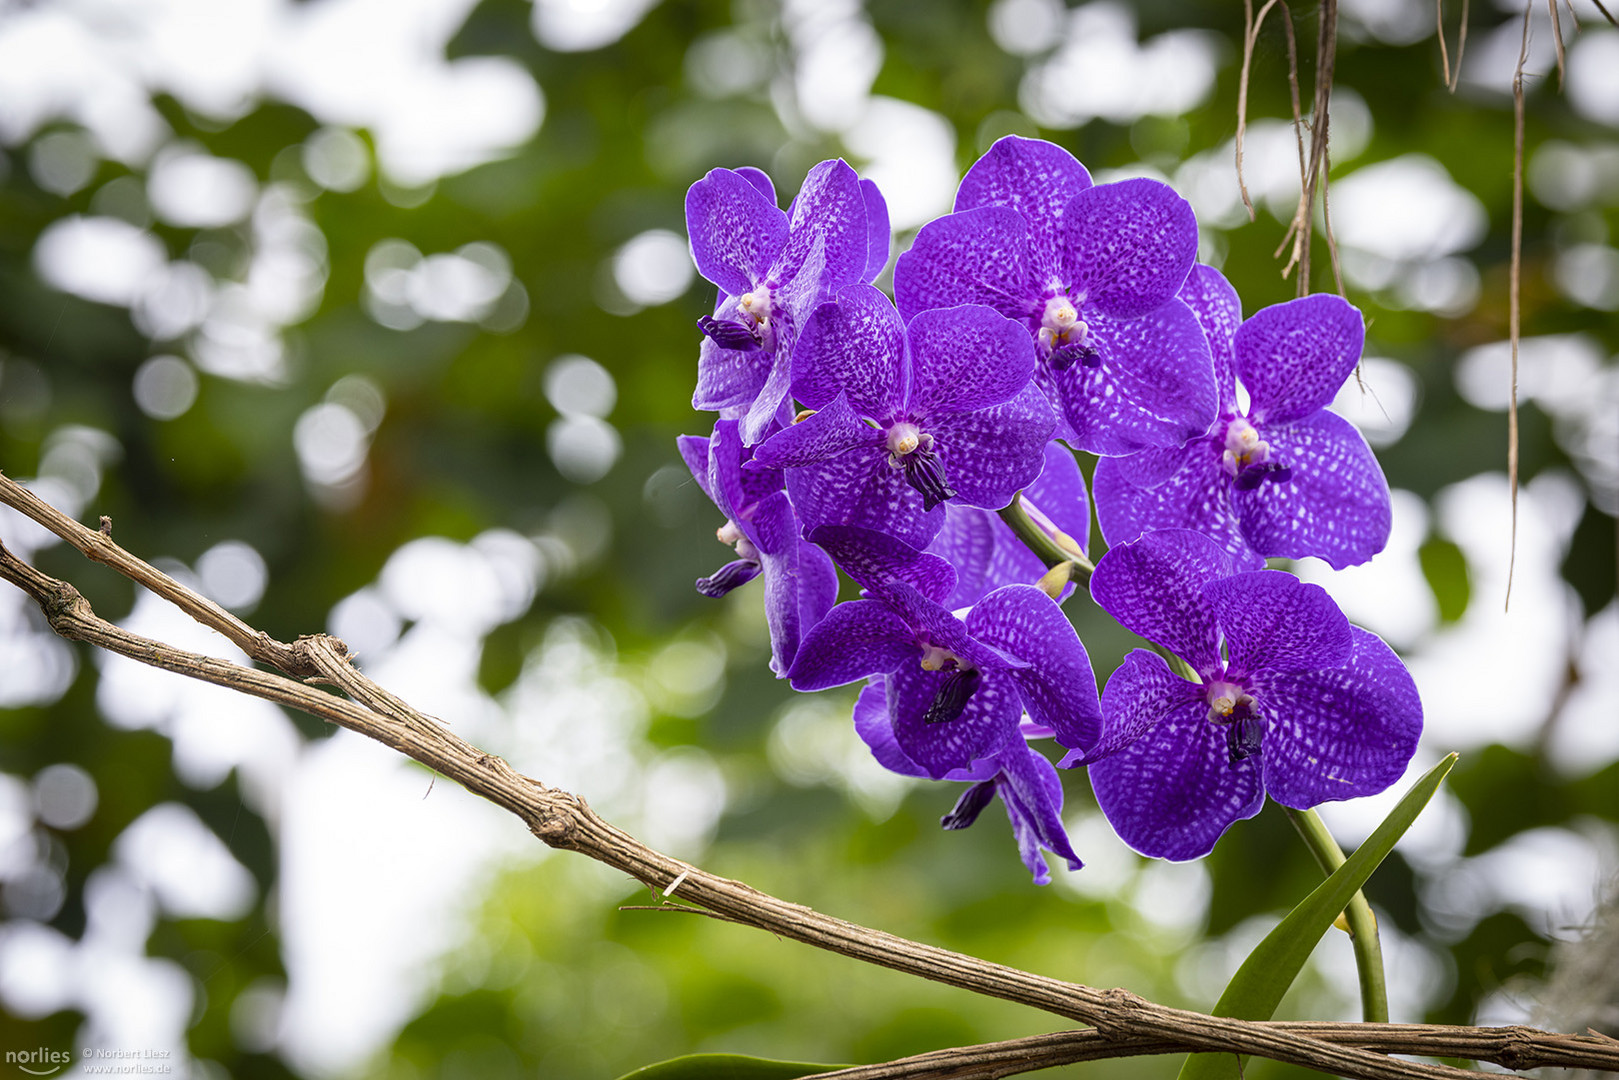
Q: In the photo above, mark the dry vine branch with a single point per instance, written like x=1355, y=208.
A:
x=1124, y=1023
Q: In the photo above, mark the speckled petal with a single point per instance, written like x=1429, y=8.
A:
x=968, y=543
x=873, y=559
x=1154, y=586
x=965, y=358
x=1032, y=794
x=736, y=232
x=1342, y=732
x=1293, y=357
x=1058, y=686
x=980, y=256
x=853, y=344
x=1140, y=693
x=829, y=211
x=859, y=487
x=1173, y=792
x=833, y=430
x=728, y=378
x=1153, y=387
x=1219, y=312
x=761, y=180
x=1274, y=621
x=985, y=727
x=736, y=489
x=856, y=639
x=876, y=729
x=939, y=626
x=1133, y=497
x=879, y=237
x=1334, y=506
x=990, y=454
x=1128, y=245
x=1036, y=178
x=776, y=532
x=694, y=452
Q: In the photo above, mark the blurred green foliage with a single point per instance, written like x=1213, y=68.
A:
x=554, y=980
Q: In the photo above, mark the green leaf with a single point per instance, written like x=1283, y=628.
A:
x=727, y=1067
x=1445, y=567
x=1257, y=987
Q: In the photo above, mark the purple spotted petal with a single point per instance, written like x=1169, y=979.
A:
x=736, y=232
x=1174, y=791
x=854, y=344
x=1219, y=312
x=694, y=452
x=967, y=542
x=759, y=179
x=966, y=358
x=985, y=552
x=990, y=454
x=1134, y=497
x=1128, y=245
x=980, y=256
x=985, y=727
x=817, y=585
x=1334, y=506
x=757, y=418
x=830, y=213
x=856, y=639
x=1038, y=179
x=1293, y=357
x=861, y=488
x=876, y=729
x=1141, y=692
x=873, y=559
x=1342, y=732
x=833, y=430
x=1272, y=621
x=1029, y=788
x=1154, y=587
x=775, y=530
x=1153, y=387
x=1058, y=686
x=879, y=237
x=938, y=626
x=728, y=378
x=735, y=488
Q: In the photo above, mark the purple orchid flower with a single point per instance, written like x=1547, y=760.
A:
x=955, y=688
x=800, y=582
x=772, y=269
x=1290, y=699
x=1025, y=781
x=985, y=551
x=908, y=417
x=1092, y=273
x=1287, y=478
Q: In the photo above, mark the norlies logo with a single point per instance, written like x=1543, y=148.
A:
x=41, y=1062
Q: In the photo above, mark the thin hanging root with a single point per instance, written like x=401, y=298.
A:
x=1557, y=41
x=1311, y=172
x=1514, y=307
x=1461, y=45
x=1444, y=53
x=1606, y=14
x=1250, y=37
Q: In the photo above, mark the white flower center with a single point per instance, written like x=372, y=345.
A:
x=1243, y=447
x=757, y=304
x=937, y=659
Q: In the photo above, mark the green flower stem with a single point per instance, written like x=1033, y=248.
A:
x=1053, y=550
x=1374, y=1000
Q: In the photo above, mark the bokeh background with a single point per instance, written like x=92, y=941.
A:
x=376, y=317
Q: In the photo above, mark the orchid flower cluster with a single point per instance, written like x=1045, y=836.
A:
x=1045, y=315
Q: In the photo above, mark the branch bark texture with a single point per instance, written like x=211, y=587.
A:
x=1123, y=1024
